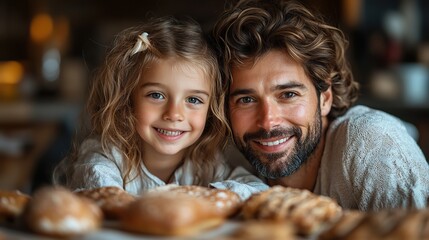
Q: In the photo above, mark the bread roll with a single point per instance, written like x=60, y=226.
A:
x=224, y=202
x=307, y=211
x=389, y=224
x=56, y=211
x=169, y=214
x=111, y=200
x=12, y=204
x=264, y=229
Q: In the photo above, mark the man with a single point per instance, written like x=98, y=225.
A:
x=290, y=96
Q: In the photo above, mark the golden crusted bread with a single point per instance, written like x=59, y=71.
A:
x=264, y=229
x=307, y=211
x=58, y=212
x=389, y=224
x=224, y=202
x=111, y=200
x=12, y=204
x=169, y=214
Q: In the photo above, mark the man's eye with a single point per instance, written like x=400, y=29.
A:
x=194, y=100
x=156, y=95
x=245, y=100
x=289, y=94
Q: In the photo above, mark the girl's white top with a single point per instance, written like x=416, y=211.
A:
x=94, y=169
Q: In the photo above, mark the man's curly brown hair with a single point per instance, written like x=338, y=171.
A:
x=251, y=28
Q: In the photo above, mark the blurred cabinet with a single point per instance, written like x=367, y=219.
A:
x=31, y=131
x=31, y=140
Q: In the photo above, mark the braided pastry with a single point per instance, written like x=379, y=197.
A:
x=307, y=211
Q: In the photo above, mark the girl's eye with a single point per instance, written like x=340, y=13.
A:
x=156, y=95
x=194, y=100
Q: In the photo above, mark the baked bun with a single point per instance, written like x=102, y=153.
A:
x=12, y=204
x=223, y=202
x=307, y=211
x=169, y=214
x=57, y=212
x=264, y=229
x=111, y=200
x=389, y=224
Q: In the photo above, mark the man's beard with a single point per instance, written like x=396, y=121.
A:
x=302, y=150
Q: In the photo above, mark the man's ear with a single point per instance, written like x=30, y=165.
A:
x=326, y=102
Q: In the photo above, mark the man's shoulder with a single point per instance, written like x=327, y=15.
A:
x=362, y=118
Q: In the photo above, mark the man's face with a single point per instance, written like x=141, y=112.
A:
x=275, y=114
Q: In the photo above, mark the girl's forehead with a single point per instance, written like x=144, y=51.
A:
x=180, y=66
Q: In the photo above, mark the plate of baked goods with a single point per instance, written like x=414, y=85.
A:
x=195, y=212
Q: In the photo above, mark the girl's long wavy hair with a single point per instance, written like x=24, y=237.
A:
x=110, y=107
x=250, y=28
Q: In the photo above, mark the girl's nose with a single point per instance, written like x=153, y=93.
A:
x=174, y=112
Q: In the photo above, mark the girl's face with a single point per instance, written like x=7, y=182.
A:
x=171, y=105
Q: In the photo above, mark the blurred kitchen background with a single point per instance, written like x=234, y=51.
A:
x=49, y=48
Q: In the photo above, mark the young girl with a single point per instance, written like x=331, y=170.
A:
x=156, y=116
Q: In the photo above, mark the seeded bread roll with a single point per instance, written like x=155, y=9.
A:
x=224, y=202
x=111, y=200
x=307, y=211
x=57, y=212
x=12, y=204
x=169, y=214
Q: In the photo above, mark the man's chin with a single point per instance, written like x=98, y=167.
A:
x=269, y=168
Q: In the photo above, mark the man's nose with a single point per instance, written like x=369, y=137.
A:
x=269, y=115
x=173, y=112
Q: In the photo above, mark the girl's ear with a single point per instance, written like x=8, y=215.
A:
x=326, y=102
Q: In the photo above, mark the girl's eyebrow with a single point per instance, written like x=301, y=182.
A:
x=197, y=91
x=155, y=84
x=148, y=84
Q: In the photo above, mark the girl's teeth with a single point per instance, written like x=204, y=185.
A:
x=169, y=133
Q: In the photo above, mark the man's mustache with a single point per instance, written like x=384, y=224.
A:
x=275, y=133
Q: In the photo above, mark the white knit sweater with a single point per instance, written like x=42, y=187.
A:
x=370, y=162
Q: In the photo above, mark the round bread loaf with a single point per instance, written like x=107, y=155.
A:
x=56, y=211
x=264, y=229
x=12, y=204
x=166, y=213
x=111, y=200
x=224, y=203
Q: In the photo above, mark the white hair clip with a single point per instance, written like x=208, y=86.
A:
x=141, y=44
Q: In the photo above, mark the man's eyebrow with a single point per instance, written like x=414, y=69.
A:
x=245, y=91
x=289, y=85
x=241, y=91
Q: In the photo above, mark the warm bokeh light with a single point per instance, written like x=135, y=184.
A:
x=41, y=27
x=11, y=72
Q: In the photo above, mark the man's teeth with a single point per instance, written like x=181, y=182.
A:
x=277, y=142
x=169, y=133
